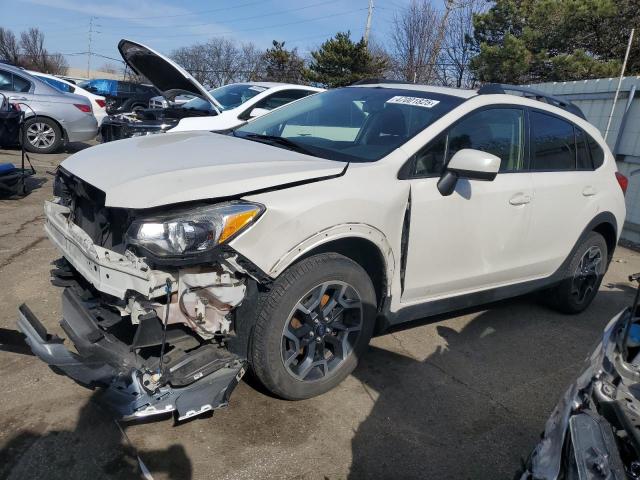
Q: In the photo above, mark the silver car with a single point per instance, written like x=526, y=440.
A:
x=52, y=117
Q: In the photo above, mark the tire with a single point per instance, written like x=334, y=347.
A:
x=582, y=276
x=334, y=281
x=138, y=107
x=41, y=135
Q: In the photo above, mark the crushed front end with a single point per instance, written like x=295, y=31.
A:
x=153, y=331
x=594, y=431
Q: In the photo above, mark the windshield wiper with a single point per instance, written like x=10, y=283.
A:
x=275, y=140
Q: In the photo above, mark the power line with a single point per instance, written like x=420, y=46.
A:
x=231, y=20
x=247, y=29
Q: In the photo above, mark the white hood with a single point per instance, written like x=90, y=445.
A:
x=145, y=172
x=163, y=73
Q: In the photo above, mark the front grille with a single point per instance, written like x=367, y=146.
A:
x=105, y=225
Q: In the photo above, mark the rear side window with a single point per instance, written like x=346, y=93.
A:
x=553, y=144
x=281, y=98
x=21, y=84
x=499, y=131
x=13, y=83
x=583, y=156
x=597, y=154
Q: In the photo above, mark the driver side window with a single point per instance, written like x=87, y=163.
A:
x=499, y=131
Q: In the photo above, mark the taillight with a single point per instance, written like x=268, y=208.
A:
x=101, y=103
x=622, y=181
x=82, y=107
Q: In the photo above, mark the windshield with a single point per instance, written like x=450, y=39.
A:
x=229, y=96
x=353, y=124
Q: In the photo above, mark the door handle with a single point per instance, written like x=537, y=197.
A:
x=589, y=191
x=520, y=199
x=20, y=99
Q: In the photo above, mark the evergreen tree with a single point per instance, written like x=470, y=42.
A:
x=520, y=41
x=282, y=65
x=340, y=61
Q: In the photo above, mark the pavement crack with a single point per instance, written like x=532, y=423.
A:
x=23, y=250
x=453, y=377
x=461, y=382
x=22, y=226
x=403, y=347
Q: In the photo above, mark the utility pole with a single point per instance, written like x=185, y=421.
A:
x=89, y=48
x=368, y=27
x=615, y=97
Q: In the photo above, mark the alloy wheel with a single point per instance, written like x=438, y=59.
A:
x=41, y=135
x=587, y=274
x=322, y=330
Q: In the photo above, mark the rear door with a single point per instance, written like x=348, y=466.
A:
x=478, y=237
x=565, y=189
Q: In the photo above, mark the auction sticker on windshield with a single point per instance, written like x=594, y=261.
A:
x=417, y=101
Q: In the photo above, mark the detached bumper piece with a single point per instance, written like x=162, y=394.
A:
x=193, y=381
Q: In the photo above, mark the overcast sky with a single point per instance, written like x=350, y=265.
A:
x=166, y=25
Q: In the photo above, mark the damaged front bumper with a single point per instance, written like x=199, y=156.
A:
x=113, y=304
x=102, y=360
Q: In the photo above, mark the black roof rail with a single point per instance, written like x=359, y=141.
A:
x=374, y=80
x=501, y=88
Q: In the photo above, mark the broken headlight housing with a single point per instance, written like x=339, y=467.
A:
x=192, y=231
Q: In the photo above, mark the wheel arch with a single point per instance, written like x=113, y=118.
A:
x=63, y=131
x=364, y=244
x=609, y=231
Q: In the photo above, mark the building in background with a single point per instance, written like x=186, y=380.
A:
x=595, y=97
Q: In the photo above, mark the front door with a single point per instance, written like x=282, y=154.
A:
x=478, y=237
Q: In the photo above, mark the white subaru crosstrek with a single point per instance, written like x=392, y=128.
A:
x=189, y=257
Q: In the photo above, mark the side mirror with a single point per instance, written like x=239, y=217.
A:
x=471, y=164
x=258, y=112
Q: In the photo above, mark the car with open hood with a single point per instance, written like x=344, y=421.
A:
x=189, y=257
x=220, y=109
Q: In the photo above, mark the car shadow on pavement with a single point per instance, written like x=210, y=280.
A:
x=96, y=448
x=474, y=407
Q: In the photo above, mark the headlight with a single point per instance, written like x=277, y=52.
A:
x=192, y=231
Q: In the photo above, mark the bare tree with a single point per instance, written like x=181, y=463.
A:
x=252, y=61
x=56, y=64
x=220, y=61
x=111, y=68
x=192, y=59
x=32, y=44
x=9, y=49
x=414, y=38
x=457, y=49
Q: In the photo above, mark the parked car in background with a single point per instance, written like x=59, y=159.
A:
x=161, y=102
x=283, y=244
x=219, y=109
x=121, y=96
x=52, y=117
x=98, y=103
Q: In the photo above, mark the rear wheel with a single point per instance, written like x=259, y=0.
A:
x=312, y=326
x=582, y=277
x=41, y=135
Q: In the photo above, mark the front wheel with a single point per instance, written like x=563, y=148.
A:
x=582, y=277
x=312, y=326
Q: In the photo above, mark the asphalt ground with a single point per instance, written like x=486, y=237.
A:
x=462, y=396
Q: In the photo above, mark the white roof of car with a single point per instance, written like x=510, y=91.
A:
x=456, y=92
x=280, y=84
